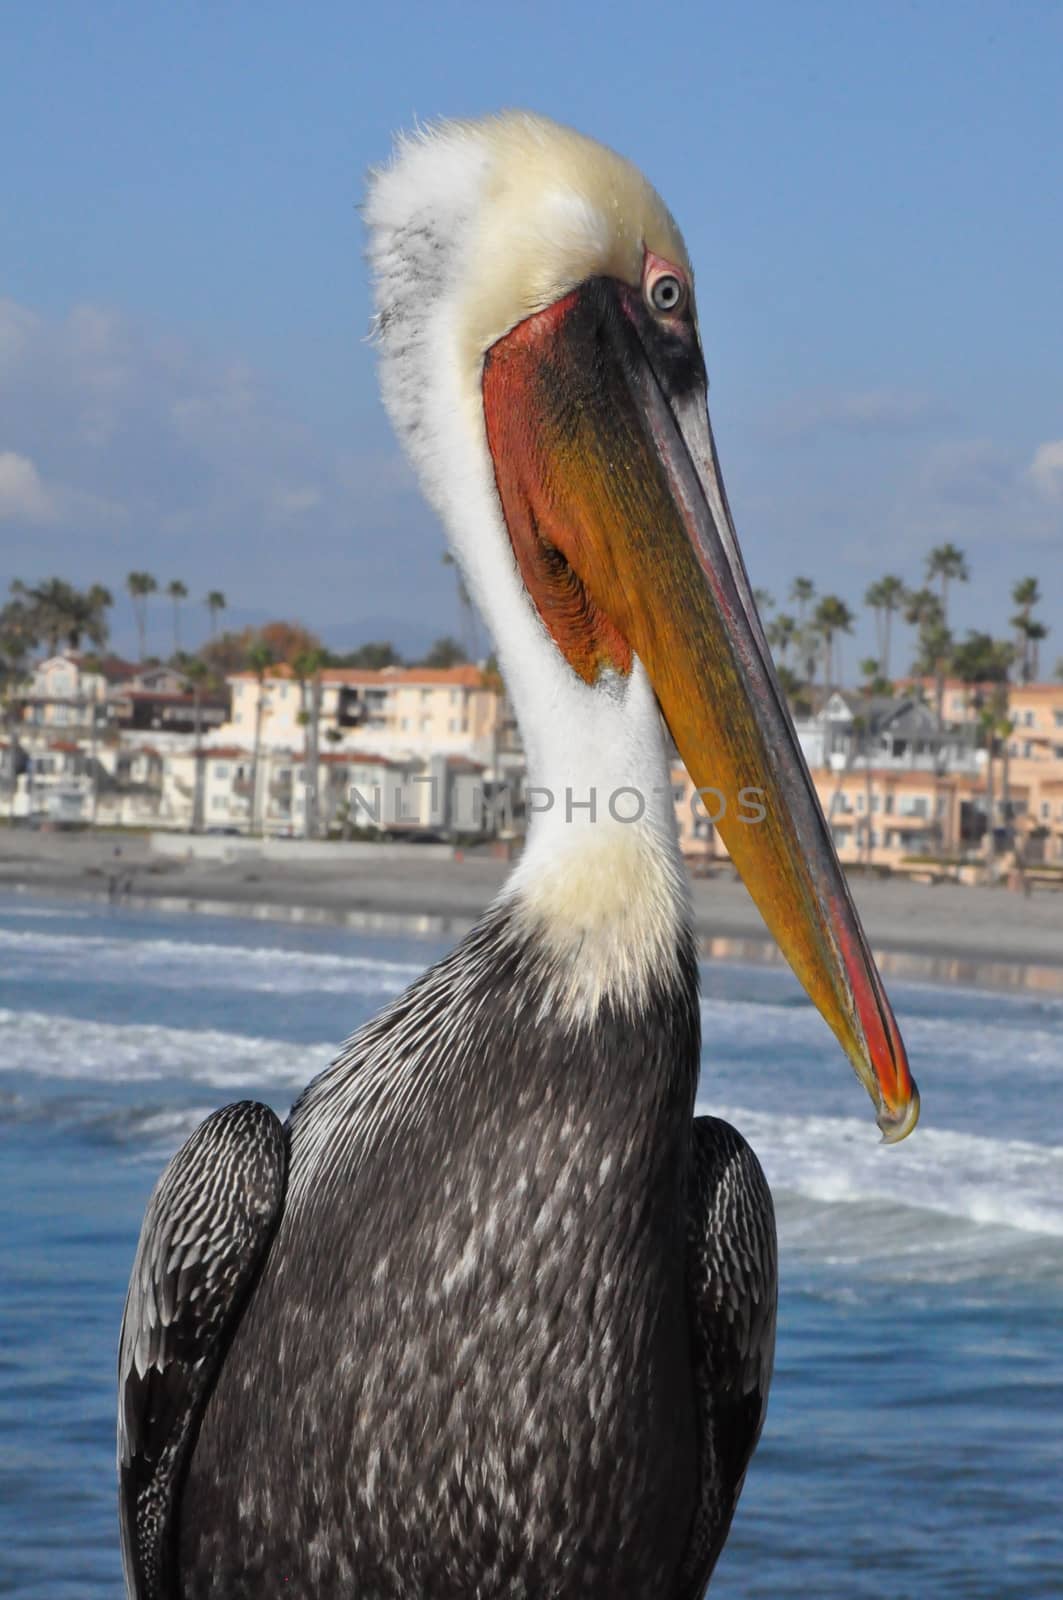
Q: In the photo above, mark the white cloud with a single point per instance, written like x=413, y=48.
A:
x=148, y=437
x=23, y=496
x=861, y=411
x=1045, y=471
x=126, y=446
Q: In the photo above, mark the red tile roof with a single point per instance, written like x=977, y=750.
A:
x=361, y=758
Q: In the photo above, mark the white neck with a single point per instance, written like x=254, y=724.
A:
x=609, y=896
x=601, y=879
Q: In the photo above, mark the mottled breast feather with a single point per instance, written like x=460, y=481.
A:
x=465, y=1368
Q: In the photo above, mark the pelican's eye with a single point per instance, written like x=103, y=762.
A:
x=667, y=293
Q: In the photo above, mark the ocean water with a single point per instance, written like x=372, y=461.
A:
x=914, y=1442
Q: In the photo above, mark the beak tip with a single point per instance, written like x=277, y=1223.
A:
x=896, y=1125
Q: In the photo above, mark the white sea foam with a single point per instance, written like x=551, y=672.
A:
x=181, y=964
x=832, y=1161
x=839, y=1162
x=50, y=1046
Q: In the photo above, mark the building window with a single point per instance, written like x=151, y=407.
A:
x=1027, y=748
x=221, y=769
x=1057, y=718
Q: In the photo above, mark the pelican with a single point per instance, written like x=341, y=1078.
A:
x=492, y=1314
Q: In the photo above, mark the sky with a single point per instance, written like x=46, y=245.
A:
x=870, y=195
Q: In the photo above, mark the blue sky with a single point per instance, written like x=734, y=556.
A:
x=870, y=194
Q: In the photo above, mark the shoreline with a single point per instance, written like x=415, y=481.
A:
x=991, y=938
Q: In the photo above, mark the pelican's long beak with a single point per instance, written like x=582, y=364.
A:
x=598, y=425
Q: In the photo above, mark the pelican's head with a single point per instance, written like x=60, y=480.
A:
x=540, y=359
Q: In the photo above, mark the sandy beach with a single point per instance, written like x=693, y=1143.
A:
x=969, y=934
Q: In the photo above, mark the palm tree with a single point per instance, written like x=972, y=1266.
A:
x=764, y=601
x=89, y=618
x=47, y=606
x=802, y=593
x=1035, y=632
x=932, y=660
x=984, y=664
x=925, y=611
x=1029, y=630
x=947, y=563
x=307, y=668
x=259, y=660
x=215, y=603
x=139, y=586
x=56, y=611
x=781, y=632
x=808, y=642
x=177, y=592
x=884, y=597
x=922, y=608
x=873, y=683
x=832, y=616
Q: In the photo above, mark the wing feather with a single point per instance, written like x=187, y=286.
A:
x=208, y=1223
x=732, y=1266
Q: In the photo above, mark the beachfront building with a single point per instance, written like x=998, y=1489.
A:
x=70, y=782
x=69, y=691
x=1023, y=791
x=74, y=695
x=222, y=788
x=55, y=784
x=207, y=789
x=901, y=793
x=395, y=711
x=895, y=732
